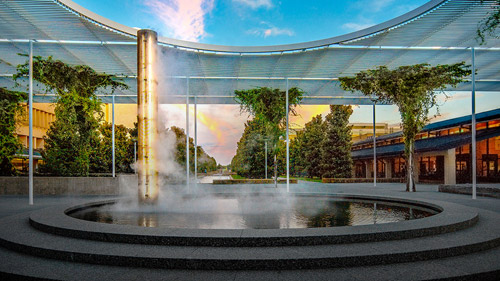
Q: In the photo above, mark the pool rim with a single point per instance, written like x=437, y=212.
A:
x=452, y=217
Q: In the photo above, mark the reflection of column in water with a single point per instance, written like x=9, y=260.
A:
x=411, y=214
x=147, y=220
x=375, y=213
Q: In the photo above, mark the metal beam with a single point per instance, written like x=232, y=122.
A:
x=195, y=142
x=473, y=124
x=187, y=133
x=374, y=150
x=113, y=135
x=30, y=101
x=287, y=143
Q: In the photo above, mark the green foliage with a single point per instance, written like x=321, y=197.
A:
x=334, y=214
x=205, y=161
x=268, y=107
x=70, y=138
x=414, y=89
x=336, y=161
x=489, y=25
x=10, y=112
x=101, y=159
x=249, y=160
x=313, y=137
x=297, y=159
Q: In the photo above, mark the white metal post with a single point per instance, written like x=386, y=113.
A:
x=135, y=155
x=265, y=149
x=187, y=132
x=30, y=101
x=473, y=124
x=287, y=143
x=374, y=150
x=195, y=142
x=113, y=133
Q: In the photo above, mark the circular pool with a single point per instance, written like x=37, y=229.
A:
x=255, y=212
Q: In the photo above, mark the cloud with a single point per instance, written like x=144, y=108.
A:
x=255, y=4
x=354, y=26
x=372, y=5
x=371, y=11
x=182, y=19
x=270, y=30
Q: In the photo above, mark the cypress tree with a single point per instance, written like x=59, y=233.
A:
x=336, y=161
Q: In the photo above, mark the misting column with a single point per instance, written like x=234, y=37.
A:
x=147, y=110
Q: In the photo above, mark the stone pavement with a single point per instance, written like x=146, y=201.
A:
x=429, y=269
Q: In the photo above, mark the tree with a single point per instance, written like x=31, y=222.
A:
x=267, y=105
x=414, y=89
x=336, y=161
x=205, y=161
x=69, y=140
x=101, y=161
x=297, y=158
x=249, y=160
x=10, y=113
x=313, y=137
x=489, y=25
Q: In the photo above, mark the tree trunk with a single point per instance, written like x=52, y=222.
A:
x=275, y=172
x=410, y=182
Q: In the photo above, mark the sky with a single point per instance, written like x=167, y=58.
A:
x=265, y=22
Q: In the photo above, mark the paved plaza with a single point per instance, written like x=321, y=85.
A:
x=420, y=270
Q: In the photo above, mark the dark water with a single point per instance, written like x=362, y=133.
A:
x=259, y=213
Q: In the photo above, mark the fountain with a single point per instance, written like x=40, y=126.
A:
x=272, y=230
x=147, y=110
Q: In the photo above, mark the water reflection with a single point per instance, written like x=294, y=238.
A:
x=261, y=213
x=337, y=213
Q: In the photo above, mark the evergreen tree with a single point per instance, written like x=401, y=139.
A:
x=314, y=134
x=205, y=161
x=70, y=138
x=267, y=105
x=297, y=163
x=249, y=160
x=10, y=113
x=101, y=160
x=336, y=161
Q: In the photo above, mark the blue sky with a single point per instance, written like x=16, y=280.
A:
x=251, y=22
x=265, y=22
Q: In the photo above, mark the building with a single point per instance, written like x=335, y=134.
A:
x=43, y=115
x=442, y=152
x=362, y=131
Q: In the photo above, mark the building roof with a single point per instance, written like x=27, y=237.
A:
x=426, y=145
x=438, y=32
x=440, y=125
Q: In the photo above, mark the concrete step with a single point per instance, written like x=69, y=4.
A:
x=21, y=237
x=476, y=266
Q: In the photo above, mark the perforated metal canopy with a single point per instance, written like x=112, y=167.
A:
x=439, y=32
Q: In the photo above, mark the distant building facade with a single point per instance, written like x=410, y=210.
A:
x=442, y=152
x=43, y=115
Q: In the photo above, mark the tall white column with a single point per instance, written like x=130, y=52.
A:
x=187, y=133
x=473, y=124
x=195, y=142
x=374, y=150
x=265, y=151
x=450, y=167
x=113, y=134
x=287, y=143
x=30, y=101
x=135, y=155
x=147, y=112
